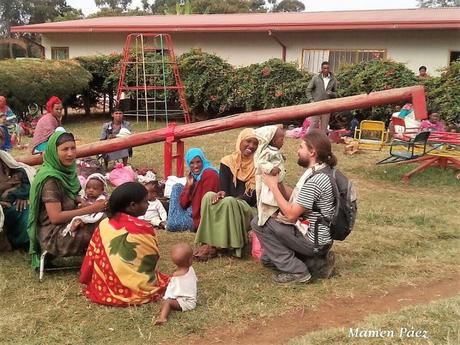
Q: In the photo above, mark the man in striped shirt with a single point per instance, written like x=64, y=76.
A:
x=290, y=247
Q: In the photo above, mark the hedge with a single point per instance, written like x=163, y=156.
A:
x=206, y=78
x=374, y=75
x=34, y=81
x=443, y=93
x=270, y=84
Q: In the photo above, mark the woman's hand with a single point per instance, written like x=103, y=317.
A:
x=219, y=196
x=100, y=206
x=21, y=204
x=270, y=181
x=189, y=180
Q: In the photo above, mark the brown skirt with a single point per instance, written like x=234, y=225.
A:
x=52, y=240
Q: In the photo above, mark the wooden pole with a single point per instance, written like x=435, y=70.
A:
x=253, y=118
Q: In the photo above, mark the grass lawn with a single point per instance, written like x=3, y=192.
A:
x=405, y=234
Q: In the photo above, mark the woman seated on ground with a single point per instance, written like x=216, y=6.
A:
x=226, y=215
x=53, y=203
x=202, y=178
x=47, y=125
x=119, y=266
x=113, y=129
x=15, y=179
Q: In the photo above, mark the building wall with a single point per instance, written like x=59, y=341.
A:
x=430, y=48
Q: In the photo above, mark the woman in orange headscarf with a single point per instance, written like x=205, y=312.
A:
x=47, y=125
x=226, y=215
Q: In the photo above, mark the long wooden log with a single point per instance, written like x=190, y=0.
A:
x=414, y=93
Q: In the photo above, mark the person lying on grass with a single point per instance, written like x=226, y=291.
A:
x=181, y=292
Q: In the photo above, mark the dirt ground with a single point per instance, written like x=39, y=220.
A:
x=336, y=312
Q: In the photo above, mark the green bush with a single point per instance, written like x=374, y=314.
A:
x=270, y=84
x=443, y=93
x=374, y=75
x=206, y=78
x=26, y=81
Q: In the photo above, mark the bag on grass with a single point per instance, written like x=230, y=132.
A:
x=256, y=249
x=121, y=174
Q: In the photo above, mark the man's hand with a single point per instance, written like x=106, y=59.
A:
x=219, y=196
x=270, y=181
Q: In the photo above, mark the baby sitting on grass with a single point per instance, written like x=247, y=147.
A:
x=181, y=292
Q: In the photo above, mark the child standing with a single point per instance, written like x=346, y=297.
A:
x=181, y=292
x=268, y=160
x=156, y=213
x=95, y=189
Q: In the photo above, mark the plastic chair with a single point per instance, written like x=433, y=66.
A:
x=399, y=130
x=371, y=135
x=414, y=148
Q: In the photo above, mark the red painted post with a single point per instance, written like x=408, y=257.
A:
x=179, y=158
x=168, y=149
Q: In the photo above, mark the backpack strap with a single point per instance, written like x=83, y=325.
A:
x=322, y=219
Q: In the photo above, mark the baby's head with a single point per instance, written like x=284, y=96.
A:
x=94, y=188
x=152, y=189
x=182, y=255
x=278, y=138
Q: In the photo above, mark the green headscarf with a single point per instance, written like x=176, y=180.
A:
x=52, y=167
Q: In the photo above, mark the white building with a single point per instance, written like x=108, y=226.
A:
x=429, y=37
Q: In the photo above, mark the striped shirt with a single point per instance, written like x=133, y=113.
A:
x=317, y=190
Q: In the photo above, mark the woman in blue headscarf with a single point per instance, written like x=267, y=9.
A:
x=203, y=177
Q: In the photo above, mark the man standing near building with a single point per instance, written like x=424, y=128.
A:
x=322, y=86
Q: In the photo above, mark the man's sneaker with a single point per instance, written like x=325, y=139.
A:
x=292, y=278
x=327, y=268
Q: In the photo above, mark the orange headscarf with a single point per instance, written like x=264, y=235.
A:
x=242, y=167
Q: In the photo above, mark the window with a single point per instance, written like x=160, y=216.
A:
x=59, y=53
x=454, y=56
x=312, y=58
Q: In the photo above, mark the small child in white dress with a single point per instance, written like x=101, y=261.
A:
x=156, y=213
x=268, y=159
x=95, y=190
x=181, y=292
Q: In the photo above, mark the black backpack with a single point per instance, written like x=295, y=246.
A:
x=346, y=207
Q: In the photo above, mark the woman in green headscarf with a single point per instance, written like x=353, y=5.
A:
x=53, y=203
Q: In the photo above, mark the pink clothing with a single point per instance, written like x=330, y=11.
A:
x=426, y=125
x=45, y=128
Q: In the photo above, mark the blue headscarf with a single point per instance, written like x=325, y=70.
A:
x=196, y=152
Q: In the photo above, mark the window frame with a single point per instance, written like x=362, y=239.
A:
x=360, y=50
x=54, y=51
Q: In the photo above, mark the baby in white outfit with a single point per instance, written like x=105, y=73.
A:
x=181, y=292
x=95, y=189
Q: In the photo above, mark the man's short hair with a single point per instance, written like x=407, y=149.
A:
x=324, y=63
x=116, y=109
x=422, y=67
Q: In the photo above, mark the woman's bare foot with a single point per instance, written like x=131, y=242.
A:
x=160, y=321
